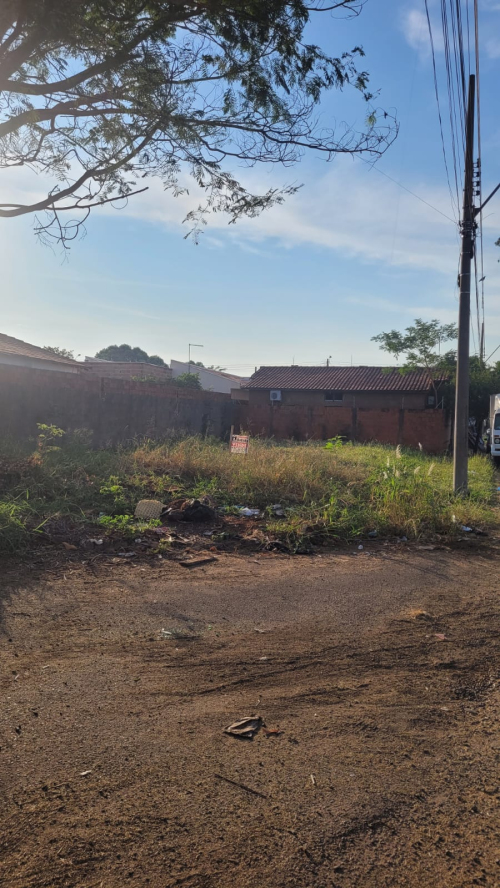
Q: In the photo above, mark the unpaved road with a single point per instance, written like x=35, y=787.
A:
x=386, y=772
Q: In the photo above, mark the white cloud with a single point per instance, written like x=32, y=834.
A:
x=415, y=28
x=350, y=209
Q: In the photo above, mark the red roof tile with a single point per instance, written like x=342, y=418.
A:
x=347, y=379
x=11, y=346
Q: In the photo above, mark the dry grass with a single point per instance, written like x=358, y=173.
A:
x=341, y=493
x=346, y=491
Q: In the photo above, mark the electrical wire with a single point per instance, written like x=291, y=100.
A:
x=421, y=199
x=436, y=90
x=478, y=101
x=456, y=132
x=473, y=334
x=458, y=40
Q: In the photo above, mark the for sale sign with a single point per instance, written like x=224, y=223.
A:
x=239, y=443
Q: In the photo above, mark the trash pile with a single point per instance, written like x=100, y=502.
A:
x=194, y=510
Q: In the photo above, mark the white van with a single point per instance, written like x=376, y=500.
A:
x=495, y=426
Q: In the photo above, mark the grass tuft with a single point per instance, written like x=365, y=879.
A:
x=339, y=492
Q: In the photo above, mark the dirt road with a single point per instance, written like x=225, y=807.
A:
x=114, y=767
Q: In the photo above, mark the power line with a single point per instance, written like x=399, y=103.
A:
x=478, y=100
x=421, y=199
x=436, y=90
x=473, y=334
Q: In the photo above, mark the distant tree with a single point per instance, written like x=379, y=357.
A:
x=61, y=352
x=187, y=380
x=96, y=95
x=128, y=354
x=420, y=345
x=210, y=366
x=484, y=380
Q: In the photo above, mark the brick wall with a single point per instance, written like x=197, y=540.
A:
x=372, y=400
x=430, y=428
x=114, y=410
x=126, y=370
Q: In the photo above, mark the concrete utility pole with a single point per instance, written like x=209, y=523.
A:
x=461, y=435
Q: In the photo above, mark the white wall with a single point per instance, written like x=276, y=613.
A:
x=211, y=380
x=38, y=363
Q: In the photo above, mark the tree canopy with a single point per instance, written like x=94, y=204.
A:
x=61, y=352
x=99, y=94
x=210, y=366
x=420, y=345
x=127, y=353
x=188, y=380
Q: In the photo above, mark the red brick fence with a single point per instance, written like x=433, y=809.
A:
x=430, y=428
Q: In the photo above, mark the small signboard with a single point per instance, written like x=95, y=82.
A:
x=239, y=443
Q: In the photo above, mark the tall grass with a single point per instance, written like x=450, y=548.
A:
x=341, y=493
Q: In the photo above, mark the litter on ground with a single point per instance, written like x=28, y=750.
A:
x=245, y=728
x=149, y=509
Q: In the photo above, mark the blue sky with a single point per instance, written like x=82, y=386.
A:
x=350, y=255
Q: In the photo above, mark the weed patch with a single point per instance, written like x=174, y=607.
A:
x=338, y=492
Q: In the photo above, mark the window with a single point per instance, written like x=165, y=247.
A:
x=431, y=400
x=497, y=422
x=334, y=397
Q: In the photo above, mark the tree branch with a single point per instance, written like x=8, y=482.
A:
x=9, y=211
x=38, y=115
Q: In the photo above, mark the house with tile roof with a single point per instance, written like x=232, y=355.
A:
x=354, y=403
x=369, y=387
x=17, y=353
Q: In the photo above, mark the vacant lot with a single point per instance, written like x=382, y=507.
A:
x=64, y=489
x=378, y=669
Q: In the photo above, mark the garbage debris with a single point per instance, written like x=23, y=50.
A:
x=245, y=728
x=149, y=509
x=96, y=542
x=192, y=510
x=440, y=636
x=403, y=539
x=278, y=510
x=373, y=534
x=272, y=732
x=466, y=529
x=278, y=546
x=198, y=562
x=360, y=548
x=249, y=513
x=84, y=773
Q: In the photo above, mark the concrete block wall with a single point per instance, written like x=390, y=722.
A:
x=114, y=410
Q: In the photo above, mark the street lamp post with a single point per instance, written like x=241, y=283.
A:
x=192, y=345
